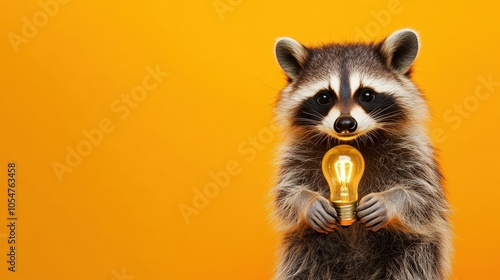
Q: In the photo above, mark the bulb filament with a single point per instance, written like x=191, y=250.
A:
x=343, y=167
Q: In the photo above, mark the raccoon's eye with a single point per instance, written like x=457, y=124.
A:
x=367, y=95
x=323, y=97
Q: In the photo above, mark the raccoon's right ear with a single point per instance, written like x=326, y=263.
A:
x=291, y=56
x=400, y=50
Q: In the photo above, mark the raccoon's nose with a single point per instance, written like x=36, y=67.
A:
x=345, y=124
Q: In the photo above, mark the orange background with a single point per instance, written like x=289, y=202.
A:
x=116, y=215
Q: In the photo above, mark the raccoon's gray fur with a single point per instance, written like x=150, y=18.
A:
x=403, y=232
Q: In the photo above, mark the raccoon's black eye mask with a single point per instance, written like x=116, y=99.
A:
x=315, y=108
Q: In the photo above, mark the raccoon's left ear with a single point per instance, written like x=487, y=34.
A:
x=400, y=50
x=291, y=56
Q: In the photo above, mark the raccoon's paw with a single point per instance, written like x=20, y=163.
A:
x=372, y=212
x=321, y=216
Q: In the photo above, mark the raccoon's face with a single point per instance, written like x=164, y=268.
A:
x=352, y=90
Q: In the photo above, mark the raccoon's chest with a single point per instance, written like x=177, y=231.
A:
x=383, y=169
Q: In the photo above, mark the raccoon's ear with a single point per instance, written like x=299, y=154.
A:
x=291, y=56
x=400, y=50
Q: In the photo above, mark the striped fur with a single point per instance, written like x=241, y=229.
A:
x=400, y=169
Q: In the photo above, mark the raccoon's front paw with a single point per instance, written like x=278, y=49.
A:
x=321, y=216
x=372, y=212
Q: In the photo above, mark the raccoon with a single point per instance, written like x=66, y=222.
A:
x=361, y=95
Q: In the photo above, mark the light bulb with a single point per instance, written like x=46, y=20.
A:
x=343, y=167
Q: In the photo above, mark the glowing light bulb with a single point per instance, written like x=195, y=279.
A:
x=343, y=167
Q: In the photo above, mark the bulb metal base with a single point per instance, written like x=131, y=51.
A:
x=346, y=212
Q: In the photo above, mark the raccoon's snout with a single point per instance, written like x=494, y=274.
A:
x=345, y=124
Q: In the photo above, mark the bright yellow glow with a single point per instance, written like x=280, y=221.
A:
x=343, y=167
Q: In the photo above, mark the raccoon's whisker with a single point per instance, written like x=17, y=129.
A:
x=379, y=111
x=366, y=117
x=308, y=122
x=330, y=139
x=371, y=136
x=312, y=137
x=264, y=83
x=314, y=114
x=374, y=113
x=390, y=131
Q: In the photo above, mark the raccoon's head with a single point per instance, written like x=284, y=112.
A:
x=350, y=91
